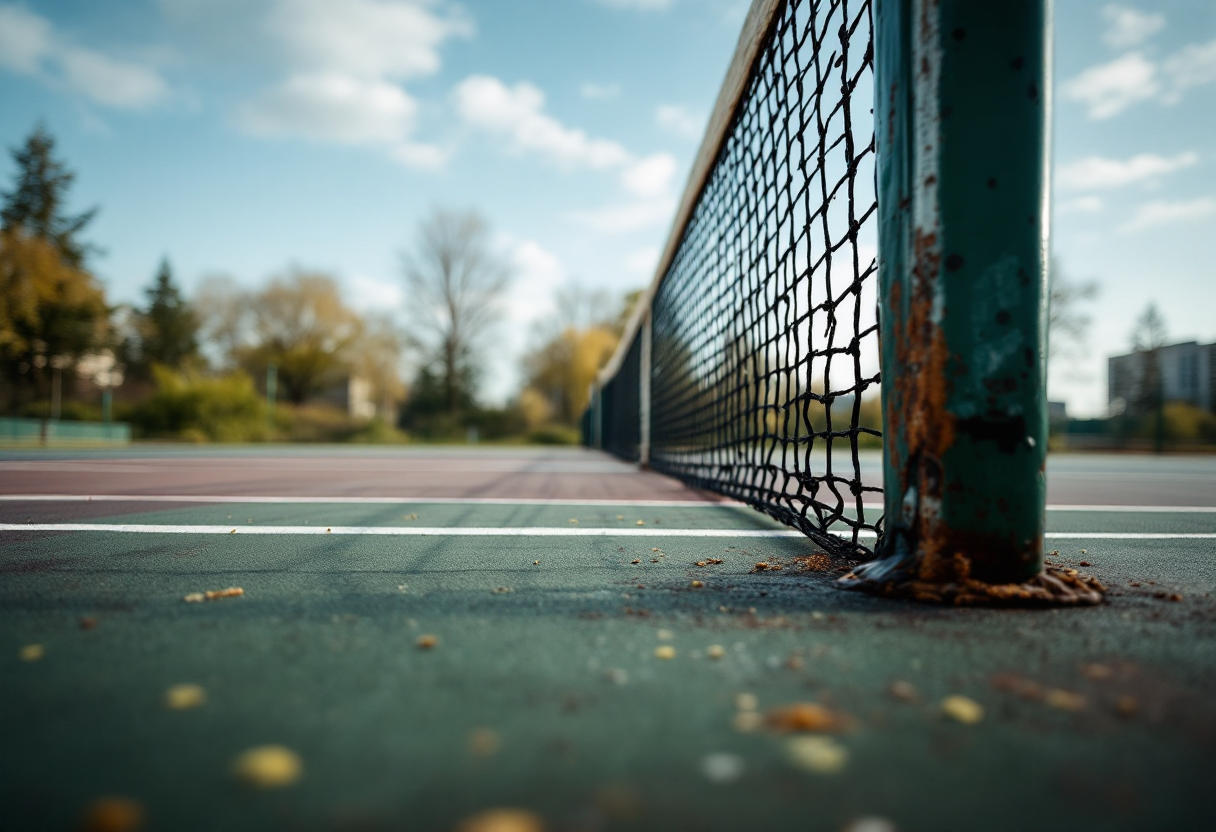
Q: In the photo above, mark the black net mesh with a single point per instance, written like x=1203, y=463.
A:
x=765, y=382
x=620, y=400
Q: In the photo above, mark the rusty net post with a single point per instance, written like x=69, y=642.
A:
x=962, y=110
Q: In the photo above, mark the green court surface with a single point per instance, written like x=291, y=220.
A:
x=544, y=690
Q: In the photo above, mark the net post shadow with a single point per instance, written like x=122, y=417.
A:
x=962, y=124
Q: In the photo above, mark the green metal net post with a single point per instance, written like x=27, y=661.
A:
x=961, y=121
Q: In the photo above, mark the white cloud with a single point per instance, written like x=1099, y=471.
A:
x=650, y=177
x=1162, y=212
x=331, y=107
x=640, y=5
x=1110, y=88
x=677, y=120
x=1127, y=27
x=1191, y=66
x=30, y=45
x=599, y=91
x=25, y=39
x=345, y=62
x=1095, y=172
x=370, y=38
x=517, y=112
x=614, y=219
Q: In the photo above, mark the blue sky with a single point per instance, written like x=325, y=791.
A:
x=242, y=136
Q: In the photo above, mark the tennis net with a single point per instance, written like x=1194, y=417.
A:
x=750, y=367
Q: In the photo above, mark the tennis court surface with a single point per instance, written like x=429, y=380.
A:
x=578, y=671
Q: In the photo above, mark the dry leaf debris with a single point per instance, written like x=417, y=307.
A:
x=213, y=595
x=503, y=820
x=32, y=652
x=806, y=717
x=268, y=767
x=818, y=755
x=184, y=697
x=426, y=641
x=962, y=709
x=665, y=652
x=114, y=814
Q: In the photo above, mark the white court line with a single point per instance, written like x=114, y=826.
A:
x=484, y=501
x=517, y=531
x=500, y=501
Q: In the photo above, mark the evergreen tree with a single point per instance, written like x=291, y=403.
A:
x=168, y=326
x=36, y=203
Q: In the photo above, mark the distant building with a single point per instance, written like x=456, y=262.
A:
x=1188, y=374
x=353, y=394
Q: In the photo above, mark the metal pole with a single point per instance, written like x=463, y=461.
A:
x=272, y=389
x=644, y=394
x=56, y=392
x=107, y=408
x=962, y=110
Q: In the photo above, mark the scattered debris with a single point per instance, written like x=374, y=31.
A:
x=793, y=662
x=484, y=742
x=962, y=709
x=870, y=824
x=641, y=523
x=1097, y=672
x=763, y=566
x=746, y=722
x=114, y=814
x=713, y=561
x=715, y=651
x=402, y=587
x=503, y=820
x=500, y=590
x=1127, y=706
x=536, y=563
x=213, y=595
x=410, y=517
x=1025, y=688
x=665, y=652
x=1064, y=700
x=574, y=520
x=805, y=716
x=32, y=652
x=746, y=701
x=1084, y=563
x=696, y=585
x=722, y=768
x=818, y=755
x=184, y=697
x=700, y=563
x=635, y=561
x=655, y=549
x=617, y=676
x=426, y=641
x=268, y=767
x=665, y=635
x=620, y=517
x=903, y=691
x=87, y=622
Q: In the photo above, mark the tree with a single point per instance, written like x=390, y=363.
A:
x=168, y=327
x=375, y=354
x=575, y=344
x=300, y=323
x=36, y=202
x=1067, y=322
x=455, y=282
x=224, y=315
x=1148, y=337
x=51, y=309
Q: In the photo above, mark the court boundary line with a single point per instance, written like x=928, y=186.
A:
x=516, y=531
x=504, y=501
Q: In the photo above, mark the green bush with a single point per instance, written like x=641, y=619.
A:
x=555, y=435
x=191, y=406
